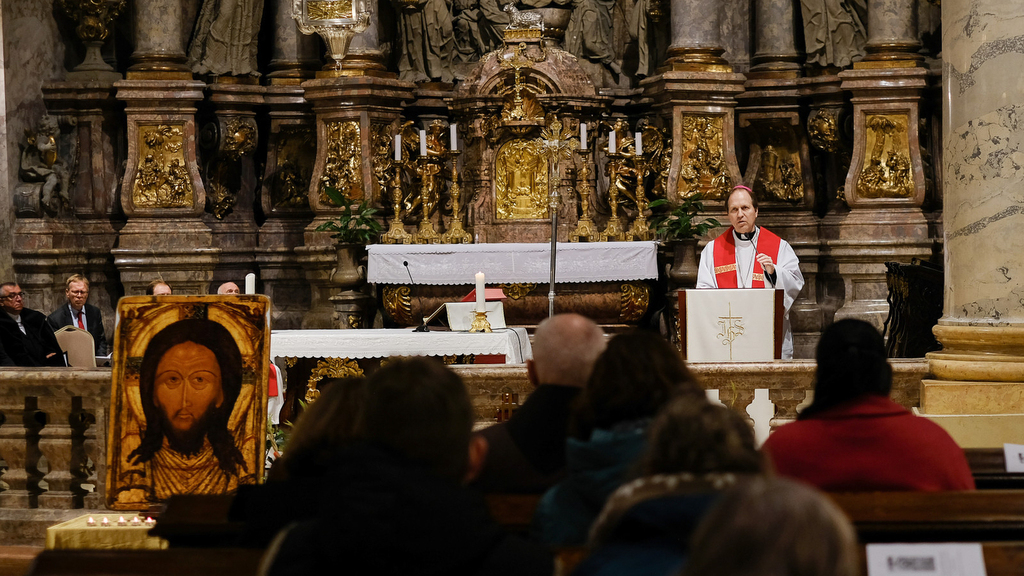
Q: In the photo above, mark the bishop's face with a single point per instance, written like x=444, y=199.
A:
x=742, y=214
x=188, y=384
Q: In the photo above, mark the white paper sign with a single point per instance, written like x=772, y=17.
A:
x=1014, y=457
x=461, y=315
x=925, y=560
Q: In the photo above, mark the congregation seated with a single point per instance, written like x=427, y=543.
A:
x=527, y=452
x=636, y=375
x=25, y=334
x=395, y=501
x=228, y=288
x=696, y=450
x=773, y=527
x=158, y=288
x=853, y=437
x=76, y=311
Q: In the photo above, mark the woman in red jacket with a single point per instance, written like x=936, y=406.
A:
x=853, y=437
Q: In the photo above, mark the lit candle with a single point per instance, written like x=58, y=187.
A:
x=423, y=142
x=398, y=147
x=639, y=143
x=104, y=522
x=480, y=292
x=250, y=283
x=121, y=521
x=583, y=136
x=611, y=142
x=91, y=521
x=353, y=9
x=455, y=137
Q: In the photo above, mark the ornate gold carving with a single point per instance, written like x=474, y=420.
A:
x=343, y=168
x=779, y=175
x=329, y=9
x=240, y=137
x=355, y=321
x=517, y=291
x=635, y=298
x=886, y=171
x=520, y=182
x=427, y=167
x=290, y=361
x=585, y=227
x=330, y=368
x=383, y=165
x=290, y=184
x=521, y=34
x=702, y=168
x=823, y=128
x=93, y=17
x=398, y=304
x=162, y=180
x=517, y=60
x=455, y=234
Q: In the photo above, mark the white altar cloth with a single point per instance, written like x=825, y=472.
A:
x=453, y=264
x=513, y=343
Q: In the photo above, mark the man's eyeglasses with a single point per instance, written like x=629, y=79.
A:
x=15, y=296
x=79, y=292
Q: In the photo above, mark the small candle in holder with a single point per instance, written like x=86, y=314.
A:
x=611, y=142
x=453, y=128
x=480, y=292
x=104, y=522
x=91, y=521
x=423, y=142
x=398, y=147
x=583, y=136
x=638, y=141
x=121, y=521
x=136, y=521
x=150, y=521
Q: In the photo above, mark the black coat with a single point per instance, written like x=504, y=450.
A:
x=30, y=349
x=62, y=317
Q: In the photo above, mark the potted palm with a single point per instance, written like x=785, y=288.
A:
x=352, y=229
x=680, y=226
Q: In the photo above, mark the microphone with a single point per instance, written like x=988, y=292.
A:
x=423, y=323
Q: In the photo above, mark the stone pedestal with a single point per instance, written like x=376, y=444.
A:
x=978, y=390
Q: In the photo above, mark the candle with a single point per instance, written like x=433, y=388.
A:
x=398, y=147
x=423, y=142
x=455, y=138
x=611, y=142
x=250, y=283
x=480, y=292
x=639, y=143
x=583, y=136
x=353, y=9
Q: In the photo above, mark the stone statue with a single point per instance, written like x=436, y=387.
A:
x=225, y=37
x=478, y=26
x=589, y=33
x=834, y=31
x=428, y=41
x=45, y=178
x=644, y=24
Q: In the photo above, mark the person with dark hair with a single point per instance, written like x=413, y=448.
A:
x=25, y=335
x=637, y=374
x=749, y=256
x=853, y=437
x=394, y=502
x=189, y=380
x=79, y=313
x=773, y=527
x=527, y=452
x=696, y=450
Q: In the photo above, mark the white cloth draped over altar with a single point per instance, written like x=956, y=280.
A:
x=513, y=343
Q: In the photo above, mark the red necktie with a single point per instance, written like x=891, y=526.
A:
x=80, y=323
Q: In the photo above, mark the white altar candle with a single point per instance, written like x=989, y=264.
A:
x=423, y=142
x=480, y=292
x=611, y=142
x=583, y=136
x=398, y=147
x=250, y=283
x=353, y=9
x=455, y=137
x=638, y=142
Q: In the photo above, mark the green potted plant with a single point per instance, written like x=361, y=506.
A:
x=681, y=226
x=352, y=229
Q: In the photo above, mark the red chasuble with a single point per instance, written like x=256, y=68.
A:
x=725, y=258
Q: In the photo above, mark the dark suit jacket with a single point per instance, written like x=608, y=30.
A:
x=30, y=349
x=61, y=317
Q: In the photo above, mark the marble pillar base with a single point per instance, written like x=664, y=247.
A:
x=177, y=251
x=353, y=309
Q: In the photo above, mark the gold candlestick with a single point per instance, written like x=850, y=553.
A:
x=455, y=233
x=640, y=229
x=613, y=231
x=396, y=233
x=480, y=323
x=427, y=168
x=585, y=227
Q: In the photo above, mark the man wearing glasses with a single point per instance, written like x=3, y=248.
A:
x=79, y=314
x=25, y=334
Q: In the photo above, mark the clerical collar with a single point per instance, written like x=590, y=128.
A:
x=746, y=236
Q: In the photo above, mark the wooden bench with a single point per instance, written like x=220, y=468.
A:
x=170, y=562
x=988, y=466
x=197, y=521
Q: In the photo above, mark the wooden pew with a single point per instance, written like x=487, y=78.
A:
x=988, y=465
x=197, y=521
x=170, y=562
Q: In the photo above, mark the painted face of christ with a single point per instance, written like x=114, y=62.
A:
x=187, y=386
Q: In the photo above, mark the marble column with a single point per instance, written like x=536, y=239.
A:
x=295, y=55
x=892, y=33
x=979, y=375
x=364, y=52
x=696, y=35
x=158, y=40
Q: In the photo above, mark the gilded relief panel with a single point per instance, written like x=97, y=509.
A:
x=520, y=182
x=779, y=176
x=162, y=179
x=886, y=172
x=343, y=167
x=702, y=168
x=294, y=168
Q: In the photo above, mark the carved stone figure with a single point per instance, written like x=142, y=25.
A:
x=46, y=180
x=225, y=38
x=478, y=27
x=428, y=41
x=589, y=34
x=644, y=26
x=834, y=31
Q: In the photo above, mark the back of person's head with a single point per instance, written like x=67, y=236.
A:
x=565, y=348
x=420, y=409
x=773, y=527
x=335, y=419
x=633, y=378
x=851, y=362
x=700, y=437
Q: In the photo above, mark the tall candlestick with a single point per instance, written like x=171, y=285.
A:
x=250, y=283
x=480, y=292
x=611, y=142
x=398, y=147
x=423, y=142
x=638, y=141
x=454, y=136
x=583, y=136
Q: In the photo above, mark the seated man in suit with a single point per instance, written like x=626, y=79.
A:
x=25, y=334
x=79, y=314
